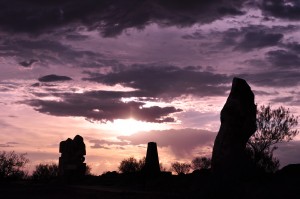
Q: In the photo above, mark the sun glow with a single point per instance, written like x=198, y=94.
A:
x=131, y=126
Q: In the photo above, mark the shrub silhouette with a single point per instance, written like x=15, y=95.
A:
x=88, y=170
x=45, y=172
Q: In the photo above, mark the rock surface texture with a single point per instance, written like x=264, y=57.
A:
x=72, y=157
x=238, y=123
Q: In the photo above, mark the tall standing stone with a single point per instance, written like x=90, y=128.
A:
x=152, y=162
x=71, y=162
x=238, y=123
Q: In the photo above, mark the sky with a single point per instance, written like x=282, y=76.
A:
x=122, y=73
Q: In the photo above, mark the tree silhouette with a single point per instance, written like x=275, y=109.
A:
x=273, y=126
x=131, y=165
x=180, y=168
x=88, y=170
x=201, y=163
x=11, y=165
x=162, y=168
x=45, y=172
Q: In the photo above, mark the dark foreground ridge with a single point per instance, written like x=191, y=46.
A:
x=199, y=184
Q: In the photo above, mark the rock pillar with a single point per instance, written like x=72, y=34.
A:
x=152, y=162
x=238, y=123
x=71, y=162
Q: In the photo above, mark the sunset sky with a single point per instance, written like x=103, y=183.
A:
x=122, y=73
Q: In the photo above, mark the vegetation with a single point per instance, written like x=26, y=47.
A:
x=201, y=163
x=180, y=168
x=273, y=126
x=131, y=165
x=12, y=165
x=45, y=172
x=88, y=170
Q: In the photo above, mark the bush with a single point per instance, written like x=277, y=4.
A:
x=45, y=172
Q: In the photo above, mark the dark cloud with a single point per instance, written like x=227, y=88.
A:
x=165, y=81
x=5, y=145
x=12, y=116
x=274, y=78
x=76, y=37
x=98, y=146
x=111, y=16
x=27, y=64
x=14, y=143
x=194, y=36
x=8, y=144
x=278, y=29
x=4, y=124
x=294, y=46
x=260, y=92
x=244, y=38
x=36, y=84
x=254, y=36
x=283, y=99
x=287, y=9
x=54, y=78
x=102, y=106
x=283, y=59
x=4, y=90
x=254, y=40
x=49, y=52
x=292, y=100
x=182, y=141
x=257, y=62
x=150, y=83
x=8, y=86
x=230, y=11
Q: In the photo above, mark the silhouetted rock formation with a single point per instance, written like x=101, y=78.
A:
x=238, y=123
x=152, y=163
x=72, y=157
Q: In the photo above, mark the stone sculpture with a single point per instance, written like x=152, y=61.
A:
x=72, y=157
x=152, y=162
x=238, y=123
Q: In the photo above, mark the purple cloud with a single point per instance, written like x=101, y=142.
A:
x=54, y=78
x=102, y=106
x=165, y=81
x=111, y=17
